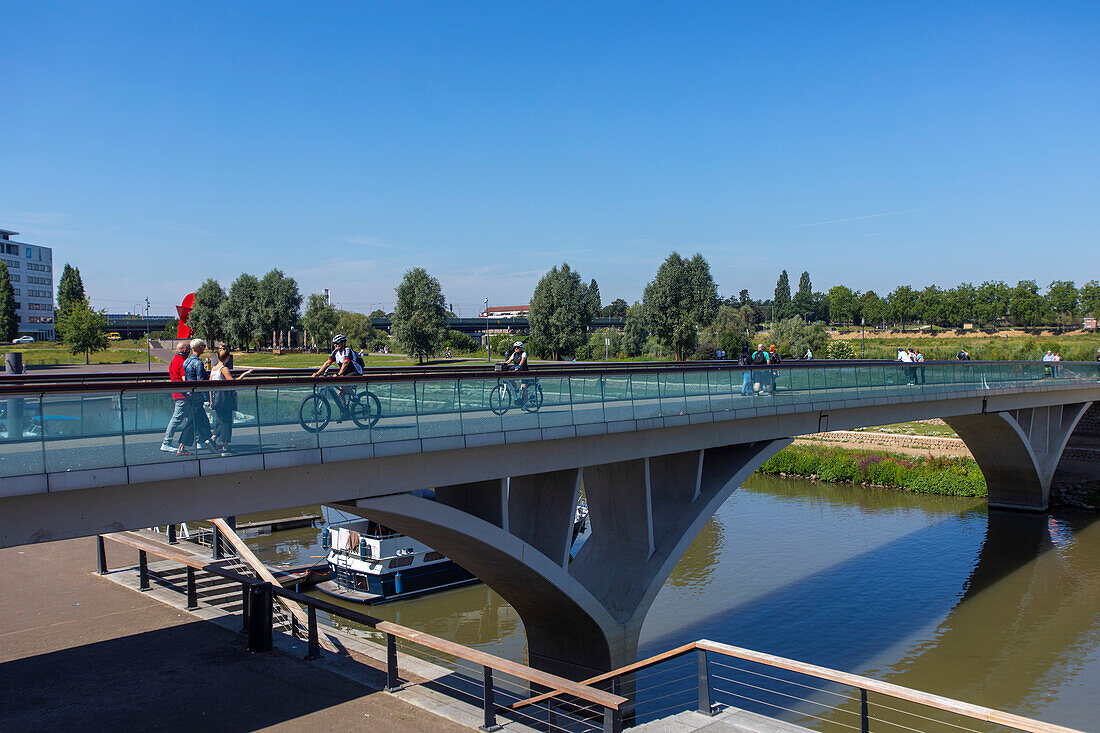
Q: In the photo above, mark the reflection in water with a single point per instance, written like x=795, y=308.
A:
x=929, y=592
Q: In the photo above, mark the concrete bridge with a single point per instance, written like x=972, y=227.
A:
x=656, y=451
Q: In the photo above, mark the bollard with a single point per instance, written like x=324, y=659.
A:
x=192, y=590
x=13, y=364
x=101, y=552
x=487, y=704
x=392, y=682
x=244, y=608
x=259, y=618
x=172, y=539
x=143, y=570
x=314, y=643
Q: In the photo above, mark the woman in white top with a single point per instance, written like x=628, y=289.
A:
x=224, y=401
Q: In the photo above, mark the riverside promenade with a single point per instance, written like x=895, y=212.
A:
x=77, y=648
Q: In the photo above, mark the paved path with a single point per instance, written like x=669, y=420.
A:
x=77, y=650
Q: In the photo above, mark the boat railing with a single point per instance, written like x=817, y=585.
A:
x=708, y=676
x=478, y=676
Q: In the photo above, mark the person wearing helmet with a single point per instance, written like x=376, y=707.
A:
x=518, y=361
x=347, y=362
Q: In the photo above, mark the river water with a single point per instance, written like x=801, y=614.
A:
x=933, y=593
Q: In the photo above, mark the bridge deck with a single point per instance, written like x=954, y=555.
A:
x=65, y=437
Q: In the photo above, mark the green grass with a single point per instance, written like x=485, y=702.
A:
x=44, y=353
x=292, y=361
x=946, y=476
x=1081, y=347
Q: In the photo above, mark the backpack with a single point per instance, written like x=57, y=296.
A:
x=758, y=357
x=775, y=359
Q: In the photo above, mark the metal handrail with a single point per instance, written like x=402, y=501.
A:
x=557, y=371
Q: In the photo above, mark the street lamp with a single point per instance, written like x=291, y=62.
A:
x=863, y=338
x=488, y=356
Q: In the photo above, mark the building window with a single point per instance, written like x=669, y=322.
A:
x=28, y=253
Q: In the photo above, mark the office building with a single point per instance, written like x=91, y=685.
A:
x=30, y=268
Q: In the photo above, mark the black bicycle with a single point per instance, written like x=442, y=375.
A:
x=507, y=393
x=363, y=408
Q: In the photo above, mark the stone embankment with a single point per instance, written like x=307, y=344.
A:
x=893, y=442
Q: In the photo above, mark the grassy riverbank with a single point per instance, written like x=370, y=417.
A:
x=925, y=475
x=52, y=353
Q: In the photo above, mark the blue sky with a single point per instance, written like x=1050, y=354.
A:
x=154, y=145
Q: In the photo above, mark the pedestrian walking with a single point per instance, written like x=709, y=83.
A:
x=224, y=401
x=919, y=359
x=196, y=434
x=759, y=376
x=179, y=400
x=773, y=358
x=745, y=359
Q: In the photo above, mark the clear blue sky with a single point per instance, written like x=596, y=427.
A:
x=154, y=145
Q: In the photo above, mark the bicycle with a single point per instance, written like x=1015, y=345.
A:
x=506, y=393
x=315, y=412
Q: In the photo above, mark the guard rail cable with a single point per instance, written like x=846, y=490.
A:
x=257, y=624
x=863, y=684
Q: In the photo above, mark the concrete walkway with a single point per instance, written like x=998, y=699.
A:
x=77, y=649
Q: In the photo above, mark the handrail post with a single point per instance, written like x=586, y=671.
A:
x=215, y=544
x=259, y=617
x=705, y=706
x=612, y=721
x=172, y=539
x=143, y=570
x=192, y=591
x=392, y=682
x=864, y=718
x=244, y=608
x=487, y=703
x=314, y=643
x=101, y=555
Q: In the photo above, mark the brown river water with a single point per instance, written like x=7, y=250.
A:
x=934, y=593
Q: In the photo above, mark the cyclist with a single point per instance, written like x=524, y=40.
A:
x=347, y=361
x=518, y=361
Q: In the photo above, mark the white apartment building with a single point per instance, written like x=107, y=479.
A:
x=30, y=268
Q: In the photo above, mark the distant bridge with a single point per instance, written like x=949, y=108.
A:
x=657, y=449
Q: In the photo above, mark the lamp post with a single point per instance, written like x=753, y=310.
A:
x=863, y=338
x=148, y=345
x=488, y=356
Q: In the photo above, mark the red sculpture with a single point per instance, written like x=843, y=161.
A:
x=183, y=331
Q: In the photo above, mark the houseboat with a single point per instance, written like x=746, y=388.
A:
x=371, y=563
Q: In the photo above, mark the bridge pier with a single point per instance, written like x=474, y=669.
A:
x=1019, y=450
x=582, y=617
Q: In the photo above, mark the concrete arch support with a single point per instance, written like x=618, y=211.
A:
x=581, y=617
x=1018, y=451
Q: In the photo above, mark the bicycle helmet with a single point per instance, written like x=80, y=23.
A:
x=339, y=338
x=518, y=343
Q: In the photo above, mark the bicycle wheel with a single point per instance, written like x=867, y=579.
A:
x=314, y=413
x=534, y=398
x=365, y=410
x=500, y=399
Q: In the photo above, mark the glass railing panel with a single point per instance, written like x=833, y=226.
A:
x=82, y=431
x=241, y=427
x=741, y=384
x=556, y=407
x=645, y=395
x=438, y=408
x=673, y=399
x=398, y=420
x=616, y=398
x=291, y=416
x=522, y=398
x=146, y=417
x=21, y=436
x=696, y=392
x=587, y=395
x=480, y=406
x=815, y=384
x=783, y=392
x=720, y=389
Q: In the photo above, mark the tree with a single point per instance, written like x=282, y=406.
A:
x=781, y=302
x=843, y=304
x=793, y=336
x=1090, y=298
x=85, y=329
x=1061, y=300
x=241, y=312
x=903, y=305
x=358, y=329
x=634, y=333
x=592, y=296
x=992, y=303
x=730, y=329
x=960, y=305
x=279, y=301
x=9, y=320
x=70, y=291
x=561, y=312
x=420, y=314
x=1025, y=304
x=377, y=313
x=617, y=309
x=930, y=305
x=207, y=312
x=803, y=301
x=873, y=309
x=320, y=320
x=678, y=301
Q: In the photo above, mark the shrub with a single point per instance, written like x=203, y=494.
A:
x=841, y=350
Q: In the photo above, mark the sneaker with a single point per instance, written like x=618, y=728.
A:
x=168, y=447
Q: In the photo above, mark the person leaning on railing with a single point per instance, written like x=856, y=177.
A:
x=224, y=401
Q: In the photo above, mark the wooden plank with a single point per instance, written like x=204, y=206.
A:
x=663, y=656
x=249, y=558
x=305, y=520
x=938, y=702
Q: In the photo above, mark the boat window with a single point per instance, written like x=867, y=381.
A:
x=400, y=562
x=433, y=556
